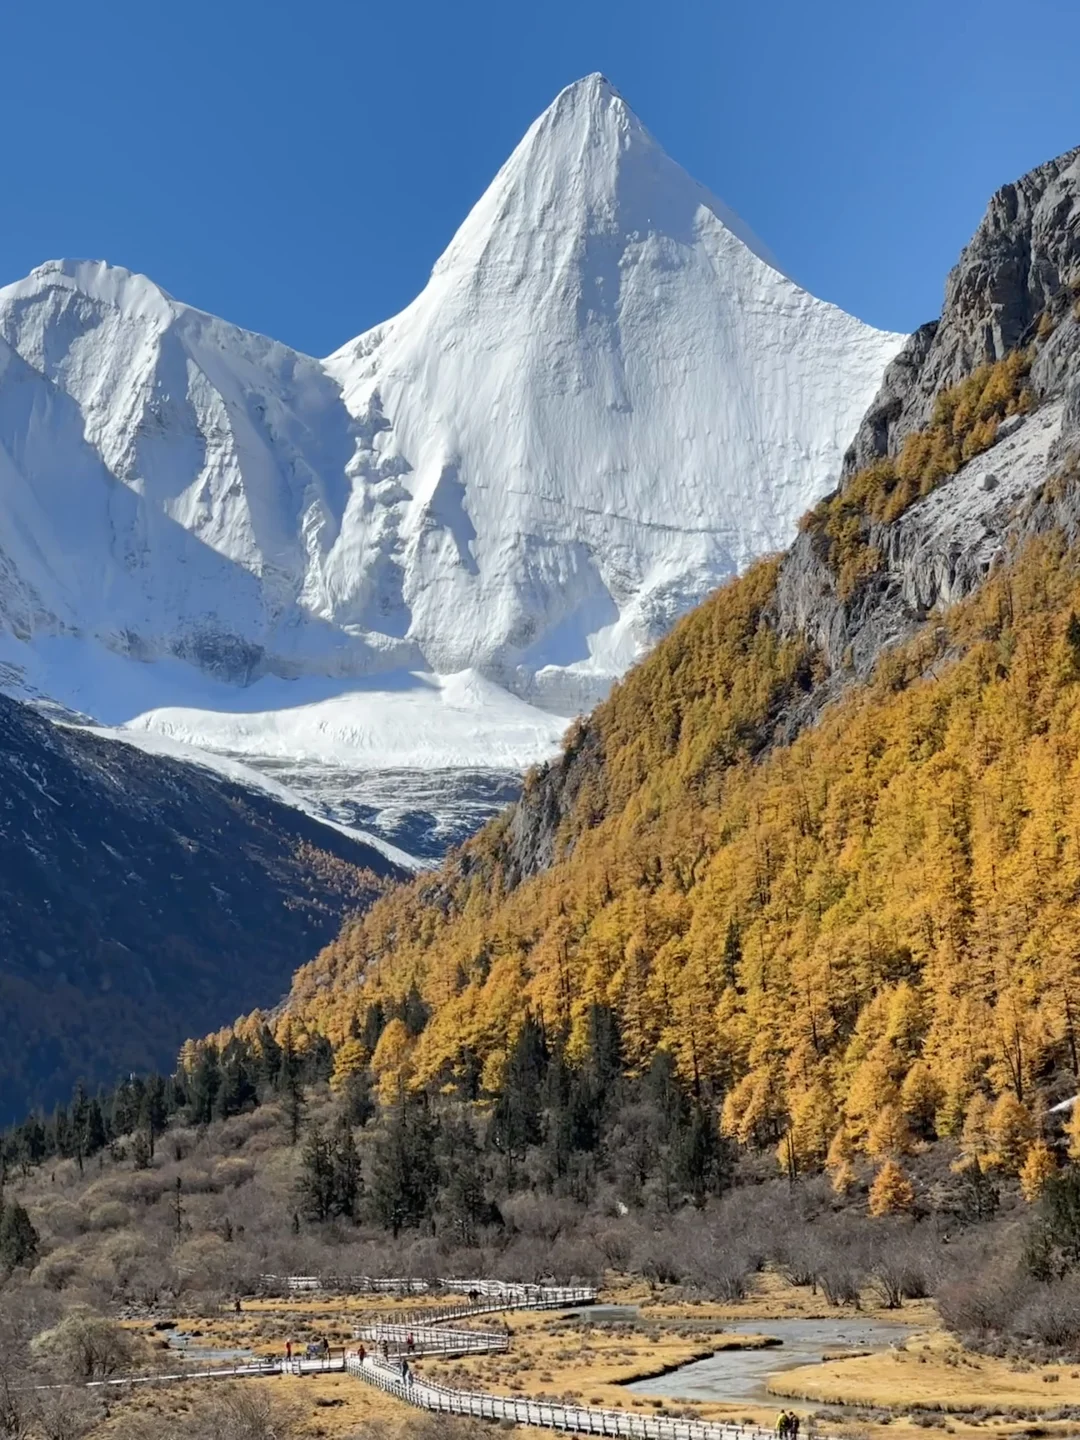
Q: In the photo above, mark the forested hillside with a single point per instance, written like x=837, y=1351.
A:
x=823, y=846
x=139, y=897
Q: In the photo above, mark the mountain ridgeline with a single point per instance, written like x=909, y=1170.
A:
x=822, y=847
x=418, y=556
x=139, y=898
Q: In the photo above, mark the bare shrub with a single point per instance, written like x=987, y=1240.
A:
x=60, y=1268
x=232, y=1172
x=110, y=1215
x=1050, y=1315
x=63, y=1218
x=227, y=1412
x=982, y=1303
x=65, y=1412
x=839, y=1284
x=85, y=1346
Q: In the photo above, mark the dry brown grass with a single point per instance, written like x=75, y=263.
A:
x=933, y=1372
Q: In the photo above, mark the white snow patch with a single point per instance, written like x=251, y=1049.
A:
x=156, y=744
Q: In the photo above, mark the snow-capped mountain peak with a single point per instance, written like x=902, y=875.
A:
x=607, y=398
x=588, y=157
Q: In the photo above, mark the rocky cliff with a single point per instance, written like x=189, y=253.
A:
x=1022, y=264
x=1016, y=287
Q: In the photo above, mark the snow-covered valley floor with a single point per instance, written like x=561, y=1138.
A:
x=413, y=760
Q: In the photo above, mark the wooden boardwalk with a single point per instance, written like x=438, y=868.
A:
x=430, y=1332
x=548, y=1415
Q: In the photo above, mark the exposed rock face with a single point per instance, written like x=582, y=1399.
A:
x=546, y=802
x=1022, y=264
x=937, y=552
x=143, y=900
x=1017, y=267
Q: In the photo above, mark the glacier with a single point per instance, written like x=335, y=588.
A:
x=414, y=560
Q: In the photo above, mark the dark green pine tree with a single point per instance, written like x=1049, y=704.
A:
x=62, y=1143
x=516, y=1120
x=318, y=1060
x=315, y=1185
x=204, y=1085
x=704, y=1161
x=356, y=1100
x=154, y=1107
x=374, y=1025
x=78, y=1119
x=124, y=1111
x=95, y=1134
x=404, y=1171
x=19, y=1240
x=239, y=1080
x=347, y=1179
x=291, y=1088
x=414, y=1012
x=269, y=1058
x=463, y=1206
x=31, y=1144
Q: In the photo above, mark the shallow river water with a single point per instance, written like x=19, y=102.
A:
x=741, y=1374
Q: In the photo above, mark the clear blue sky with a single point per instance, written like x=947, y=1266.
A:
x=298, y=167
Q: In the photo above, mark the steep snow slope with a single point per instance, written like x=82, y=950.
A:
x=606, y=399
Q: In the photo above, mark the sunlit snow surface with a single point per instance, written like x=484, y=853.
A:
x=411, y=762
x=412, y=561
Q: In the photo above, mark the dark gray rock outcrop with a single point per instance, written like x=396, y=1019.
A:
x=1016, y=284
x=1019, y=266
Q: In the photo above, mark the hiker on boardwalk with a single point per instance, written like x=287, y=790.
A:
x=361, y=1354
x=783, y=1425
x=793, y=1425
x=410, y=1343
x=288, y=1350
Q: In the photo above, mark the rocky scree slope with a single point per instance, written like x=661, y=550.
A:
x=141, y=899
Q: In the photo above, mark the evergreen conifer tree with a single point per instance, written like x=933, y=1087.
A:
x=516, y=1117
x=404, y=1171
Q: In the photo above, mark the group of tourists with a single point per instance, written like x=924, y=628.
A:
x=787, y=1425
x=315, y=1350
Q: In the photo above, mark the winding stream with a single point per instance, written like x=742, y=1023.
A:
x=742, y=1374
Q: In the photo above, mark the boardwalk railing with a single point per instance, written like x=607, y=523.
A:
x=549, y=1415
x=491, y=1305
x=510, y=1296
x=428, y=1339
x=433, y=1339
x=295, y=1366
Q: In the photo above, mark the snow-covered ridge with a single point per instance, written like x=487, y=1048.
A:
x=607, y=398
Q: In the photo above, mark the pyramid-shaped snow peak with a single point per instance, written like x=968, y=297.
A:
x=606, y=399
